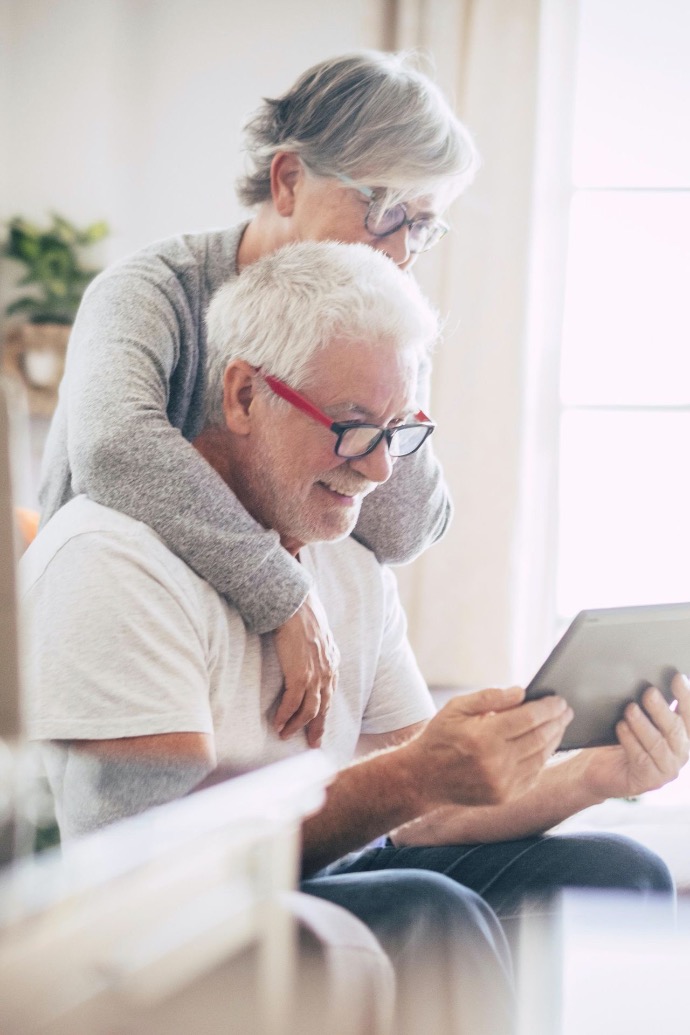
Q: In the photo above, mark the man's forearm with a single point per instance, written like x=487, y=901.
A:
x=479, y=748
x=561, y=791
x=364, y=801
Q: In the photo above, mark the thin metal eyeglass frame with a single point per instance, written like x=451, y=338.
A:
x=339, y=428
x=369, y=193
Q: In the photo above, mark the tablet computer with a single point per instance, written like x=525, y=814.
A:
x=607, y=658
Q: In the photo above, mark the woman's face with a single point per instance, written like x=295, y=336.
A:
x=327, y=210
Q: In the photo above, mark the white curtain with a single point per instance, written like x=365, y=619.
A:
x=462, y=597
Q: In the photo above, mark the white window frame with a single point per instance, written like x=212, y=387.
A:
x=536, y=626
x=538, y=623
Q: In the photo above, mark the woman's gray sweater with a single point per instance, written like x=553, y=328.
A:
x=131, y=402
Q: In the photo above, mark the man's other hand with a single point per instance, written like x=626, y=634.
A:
x=654, y=743
x=488, y=747
x=309, y=659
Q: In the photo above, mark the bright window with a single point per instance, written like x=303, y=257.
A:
x=624, y=468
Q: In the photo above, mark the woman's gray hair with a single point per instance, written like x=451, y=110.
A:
x=373, y=117
x=287, y=306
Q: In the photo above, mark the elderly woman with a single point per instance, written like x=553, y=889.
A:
x=363, y=148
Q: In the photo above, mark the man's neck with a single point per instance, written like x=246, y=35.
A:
x=215, y=446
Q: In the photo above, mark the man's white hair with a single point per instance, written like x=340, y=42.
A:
x=287, y=306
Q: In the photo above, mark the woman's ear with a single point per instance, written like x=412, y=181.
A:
x=286, y=172
x=238, y=393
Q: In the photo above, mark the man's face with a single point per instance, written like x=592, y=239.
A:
x=293, y=480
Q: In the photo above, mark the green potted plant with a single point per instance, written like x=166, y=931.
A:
x=56, y=280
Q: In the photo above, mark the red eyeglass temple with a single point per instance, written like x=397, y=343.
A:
x=291, y=396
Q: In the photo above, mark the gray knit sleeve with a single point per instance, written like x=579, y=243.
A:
x=409, y=513
x=113, y=422
x=413, y=509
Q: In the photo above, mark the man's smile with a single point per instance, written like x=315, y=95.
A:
x=348, y=491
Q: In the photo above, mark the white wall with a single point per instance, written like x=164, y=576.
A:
x=130, y=110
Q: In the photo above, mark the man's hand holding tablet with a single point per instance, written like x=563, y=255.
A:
x=653, y=745
x=607, y=659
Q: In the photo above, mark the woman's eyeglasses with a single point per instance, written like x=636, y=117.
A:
x=423, y=232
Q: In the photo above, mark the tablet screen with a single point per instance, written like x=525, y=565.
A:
x=606, y=658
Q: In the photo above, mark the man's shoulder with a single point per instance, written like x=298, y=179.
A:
x=92, y=533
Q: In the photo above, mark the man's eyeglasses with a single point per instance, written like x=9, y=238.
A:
x=353, y=438
x=422, y=233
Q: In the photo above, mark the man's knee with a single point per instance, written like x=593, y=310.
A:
x=588, y=860
x=437, y=909
x=420, y=906
x=446, y=901
x=614, y=861
x=401, y=896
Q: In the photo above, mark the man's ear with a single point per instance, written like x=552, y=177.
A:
x=286, y=172
x=238, y=393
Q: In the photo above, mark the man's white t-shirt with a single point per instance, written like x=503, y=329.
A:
x=123, y=639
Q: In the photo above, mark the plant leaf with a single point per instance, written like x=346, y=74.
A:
x=23, y=305
x=63, y=230
x=95, y=232
x=52, y=264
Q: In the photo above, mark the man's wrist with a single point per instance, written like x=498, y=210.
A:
x=411, y=779
x=366, y=800
x=584, y=779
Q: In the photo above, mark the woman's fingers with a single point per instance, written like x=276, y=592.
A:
x=309, y=659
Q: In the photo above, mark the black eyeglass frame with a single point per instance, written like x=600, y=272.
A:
x=340, y=428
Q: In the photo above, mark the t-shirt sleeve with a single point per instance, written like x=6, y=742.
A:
x=136, y=667
x=399, y=696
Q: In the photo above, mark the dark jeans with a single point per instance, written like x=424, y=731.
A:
x=435, y=912
x=508, y=872
x=451, y=960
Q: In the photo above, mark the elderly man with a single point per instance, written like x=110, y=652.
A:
x=144, y=680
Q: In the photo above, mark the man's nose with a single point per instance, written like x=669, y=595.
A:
x=377, y=466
